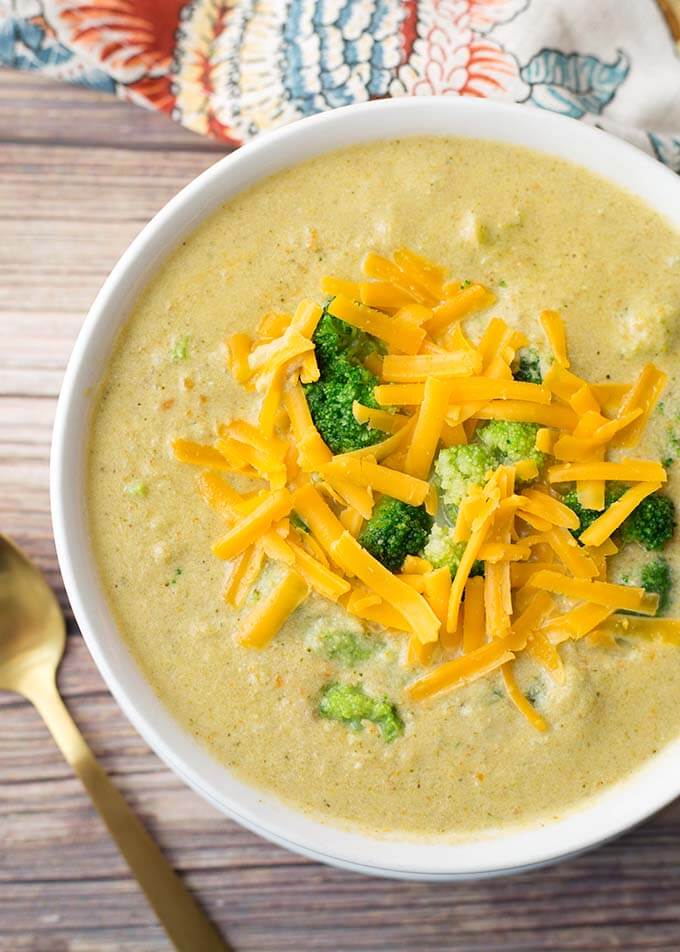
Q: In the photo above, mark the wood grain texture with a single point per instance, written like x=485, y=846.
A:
x=79, y=175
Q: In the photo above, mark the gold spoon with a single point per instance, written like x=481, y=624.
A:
x=32, y=641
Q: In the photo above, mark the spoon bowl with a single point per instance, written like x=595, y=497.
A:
x=32, y=629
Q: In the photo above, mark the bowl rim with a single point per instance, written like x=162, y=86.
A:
x=650, y=787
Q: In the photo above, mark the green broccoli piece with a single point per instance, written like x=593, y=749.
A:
x=442, y=551
x=351, y=705
x=332, y=338
x=343, y=379
x=136, y=488
x=346, y=647
x=656, y=578
x=588, y=516
x=330, y=400
x=394, y=531
x=180, y=349
x=459, y=468
x=511, y=441
x=527, y=367
x=652, y=523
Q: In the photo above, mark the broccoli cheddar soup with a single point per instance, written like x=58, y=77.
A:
x=381, y=482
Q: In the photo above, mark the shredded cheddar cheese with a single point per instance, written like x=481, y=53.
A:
x=307, y=508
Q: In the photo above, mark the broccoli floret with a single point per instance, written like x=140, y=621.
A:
x=442, y=551
x=459, y=468
x=512, y=441
x=346, y=647
x=330, y=400
x=656, y=578
x=343, y=379
x=588, y=516
x=527, y=368
x=332, y=338
x=394, y=531
x=351, y=705
x=652, y=523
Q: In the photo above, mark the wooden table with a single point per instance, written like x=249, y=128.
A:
x=80, y=173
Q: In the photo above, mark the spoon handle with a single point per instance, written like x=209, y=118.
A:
x=186, y=925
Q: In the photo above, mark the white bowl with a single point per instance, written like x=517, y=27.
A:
x=652, y=786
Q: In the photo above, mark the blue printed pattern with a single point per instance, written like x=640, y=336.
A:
x=574, y=85
x=231, y=68
x=667, y=149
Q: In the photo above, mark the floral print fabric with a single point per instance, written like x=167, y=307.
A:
x=232, y=68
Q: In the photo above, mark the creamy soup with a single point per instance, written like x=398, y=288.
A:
x=542, y=234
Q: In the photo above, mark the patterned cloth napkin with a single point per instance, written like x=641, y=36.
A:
x=229, y=68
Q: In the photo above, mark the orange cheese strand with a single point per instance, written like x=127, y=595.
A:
x=644, y=396
x=546, y=654
x=312, y=450
x=273, y=507
x=496, y=612
x=473, y=389
x=399, y=394
x=570, y=553
x=468, y=559
x=268, y=357
x=271, y=403
x=355, y=560
x=547, y=507
x=521, y=572
x=414, y=565
x=503, y=552
x=419, y=655
x=379, y=419
x=306, y=317
x=538, y=608
x=318, y=516
x=666, y=630
x=270, y=614
x=600, y=530
x=276, y=547
x=414, y=369
x=379, y=294
x=461, y=670
x=554, y=331
x=219, y=495
x=428, y=427
x=520, y=701
x=334, y=286
x=198, y=454
x=239, y=346
x=246, y=433
x=402, y=336
x=474, y=628
x=380, y=478
x=375, y=266
x=428, y=274
x=578, y=622
x=437, y=588
x=465, y=302
x=370, y=607
x=553, y=415
x=601, y=593
x=630, y=470
x=318, y=576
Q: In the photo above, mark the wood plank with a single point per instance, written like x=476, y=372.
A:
x=80, y=174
